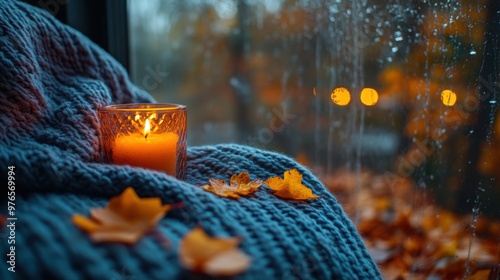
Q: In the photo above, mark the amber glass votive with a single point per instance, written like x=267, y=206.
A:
x=151, y=136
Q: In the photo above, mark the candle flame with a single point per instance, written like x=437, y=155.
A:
x=147, y=128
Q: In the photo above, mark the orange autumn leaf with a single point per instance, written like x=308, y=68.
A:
x=125, y=219
x=238, y=185
x=291, y=186
x=213, y=256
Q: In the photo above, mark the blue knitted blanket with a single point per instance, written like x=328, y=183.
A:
x=52, y=80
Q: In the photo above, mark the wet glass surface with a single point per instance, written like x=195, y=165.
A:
x=392, y=104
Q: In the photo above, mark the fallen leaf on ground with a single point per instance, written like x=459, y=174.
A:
x=291, y=186
x=200, y=252
x=481, y=275
x=238, y=185
x=411, y=237
x=125, y=219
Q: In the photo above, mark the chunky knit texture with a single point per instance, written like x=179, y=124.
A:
x=52, y=80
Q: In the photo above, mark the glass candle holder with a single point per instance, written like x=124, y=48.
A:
x=151, y=136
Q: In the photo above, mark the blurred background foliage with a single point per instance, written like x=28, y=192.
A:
x=262, y=72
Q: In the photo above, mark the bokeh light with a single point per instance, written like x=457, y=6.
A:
x=341, y=96
x=369, y=96
x=448, y=97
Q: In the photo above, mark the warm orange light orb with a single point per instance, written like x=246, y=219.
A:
x=448, y=97
x=341, y=96
x=369, y=96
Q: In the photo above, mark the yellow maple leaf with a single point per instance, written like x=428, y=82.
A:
x=125, y=219
x=239, y=184
x=200, y=252
x=291, y=186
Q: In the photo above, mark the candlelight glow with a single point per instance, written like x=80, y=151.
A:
x=147, y=128
x=369, y=96
x=448, y=97
x=341, y=96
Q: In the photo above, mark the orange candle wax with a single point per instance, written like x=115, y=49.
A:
x=151, y=151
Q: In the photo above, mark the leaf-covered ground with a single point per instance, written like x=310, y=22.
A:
x=412, y=238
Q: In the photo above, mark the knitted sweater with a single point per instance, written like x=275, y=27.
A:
x=52, y=80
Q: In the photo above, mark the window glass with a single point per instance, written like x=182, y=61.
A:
x=391, y=103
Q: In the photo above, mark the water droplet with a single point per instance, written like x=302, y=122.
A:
x=493, y=101
x=398, y=36
x=395, y=49
x=473, y=52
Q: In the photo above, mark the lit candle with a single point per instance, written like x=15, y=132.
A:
x=147, y=150
x=147, y=135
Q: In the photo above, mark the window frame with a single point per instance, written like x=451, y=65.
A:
x=104, y=22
